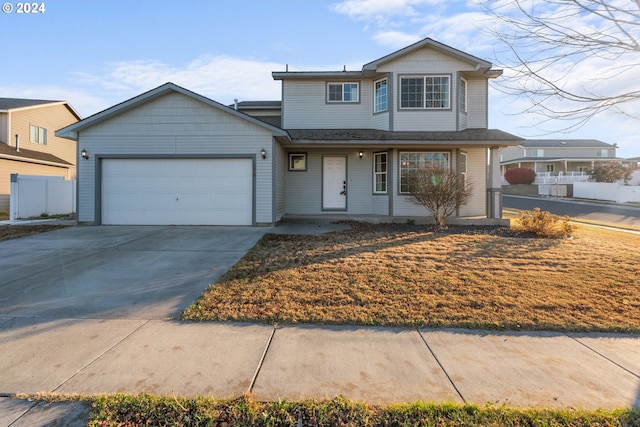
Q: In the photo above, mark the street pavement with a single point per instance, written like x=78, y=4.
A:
x=91, y=310
x=616, y=214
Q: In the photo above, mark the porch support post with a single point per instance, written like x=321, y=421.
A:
x=494, y=185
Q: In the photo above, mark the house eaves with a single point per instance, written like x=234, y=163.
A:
x=71, y=131
x=30, y=156
x=469, y=137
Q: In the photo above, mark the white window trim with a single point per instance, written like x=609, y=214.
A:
x=385, y=173
x=40, y=134
x=342, y=84
x=424, y=99
x=375, y=100
x=464, y=98
x=448, y=154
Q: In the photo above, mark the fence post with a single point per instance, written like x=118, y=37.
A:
x=13, y=197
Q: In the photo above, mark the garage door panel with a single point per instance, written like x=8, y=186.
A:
x=177, y=191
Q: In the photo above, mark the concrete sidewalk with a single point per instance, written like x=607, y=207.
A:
x=376, y=365
x=81, y=312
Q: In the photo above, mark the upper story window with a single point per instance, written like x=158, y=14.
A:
x=38, y=134
x=427, y=92
x=463, y=95
x=537, y=152
x=602, y=153
x=380, y=96
x=343, y=92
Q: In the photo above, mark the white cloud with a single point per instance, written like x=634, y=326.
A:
x=395, y=39
x=80, y=100
x=221, y=78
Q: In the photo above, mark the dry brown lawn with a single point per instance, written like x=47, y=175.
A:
x=416, y=276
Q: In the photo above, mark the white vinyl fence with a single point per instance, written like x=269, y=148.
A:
x=605, y=191
x=33, y=196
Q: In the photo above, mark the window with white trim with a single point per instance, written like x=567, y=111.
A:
x=463, y=95
x=380, y=96
x=412, y=161
x=602, y=153
x=425, y=92
x=343, y=92
x=379, y=173
x=37, y=134
x=537, y=152
x=550, y=168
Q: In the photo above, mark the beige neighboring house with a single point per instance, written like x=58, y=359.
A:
x=557, y=156
x=28, y=144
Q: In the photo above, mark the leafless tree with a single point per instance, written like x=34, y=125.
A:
x=572, y=59
x=440, y=190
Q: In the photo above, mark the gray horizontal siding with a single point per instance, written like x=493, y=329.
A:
x=175, y=125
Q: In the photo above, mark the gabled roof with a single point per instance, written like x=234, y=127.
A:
x=480, y=63
x=7, y=152
x=371, y=68
x=8, y=104
x=71, y=131
x=565, y=143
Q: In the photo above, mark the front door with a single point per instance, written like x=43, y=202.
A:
x=334, y=182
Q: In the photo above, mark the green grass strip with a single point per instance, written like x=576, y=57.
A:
x=147, y=410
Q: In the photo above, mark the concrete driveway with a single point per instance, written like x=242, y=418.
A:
x=127, y=272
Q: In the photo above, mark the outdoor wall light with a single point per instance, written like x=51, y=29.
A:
x=360, y=153
x=263, y=153
x=84, y=154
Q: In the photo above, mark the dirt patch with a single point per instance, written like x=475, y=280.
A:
x=14, y=231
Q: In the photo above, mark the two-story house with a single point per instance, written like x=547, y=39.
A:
x=338, y=144
x=28, y=145
x=557, y=156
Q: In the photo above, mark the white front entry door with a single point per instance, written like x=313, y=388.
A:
x=334, y=182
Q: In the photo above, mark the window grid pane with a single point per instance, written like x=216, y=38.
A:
x=350, y=92
x=380, y=96
x=380, y=173
x=411, y=92
x=335, y=92
x=410, y=162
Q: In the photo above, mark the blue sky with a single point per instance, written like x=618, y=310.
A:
x=96, y=53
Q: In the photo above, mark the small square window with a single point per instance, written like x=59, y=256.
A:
x=297, y=162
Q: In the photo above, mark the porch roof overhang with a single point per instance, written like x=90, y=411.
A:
x=30, y=156
x=561, y=159
x=374, y=137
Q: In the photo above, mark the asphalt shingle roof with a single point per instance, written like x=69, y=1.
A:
x=570, y=143
x=10, y=103
x=27, y=155
x=480, y=135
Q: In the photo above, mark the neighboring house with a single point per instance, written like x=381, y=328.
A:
x=557, y=156
x=344, y=147
x=28, y=145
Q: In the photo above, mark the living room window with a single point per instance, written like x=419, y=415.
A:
x=380, y=96
x=38, y=134
x=343, y=92
x=425, y=92
x=411, y=161
x=379, y=173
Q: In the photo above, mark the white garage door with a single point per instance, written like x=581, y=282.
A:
x=177, y=191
